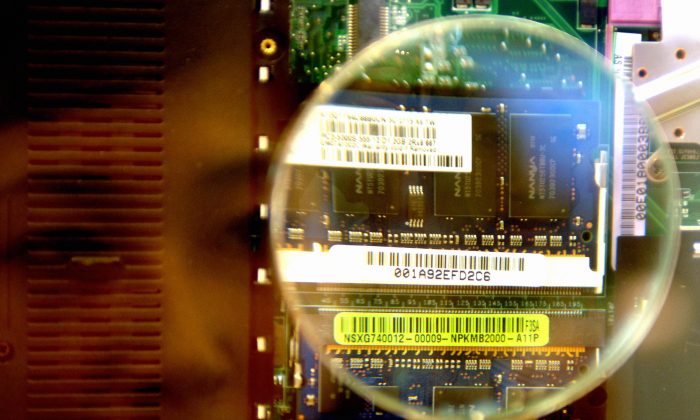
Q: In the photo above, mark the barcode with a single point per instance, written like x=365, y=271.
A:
x=367, y=125
x=378, y=138
x=630, y=167
x=348, y=155
x=442, y=261
x=448, y=329
x=630, y=146
x=633, y=195
x=627, y=67
x=419, y=324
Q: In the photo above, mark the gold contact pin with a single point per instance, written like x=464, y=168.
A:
x=268, y=47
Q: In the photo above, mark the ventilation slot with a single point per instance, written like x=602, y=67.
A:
x=95, y=155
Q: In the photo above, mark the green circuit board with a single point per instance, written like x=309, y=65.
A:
x=688, y=162
x=325, y=33
x=408, y=211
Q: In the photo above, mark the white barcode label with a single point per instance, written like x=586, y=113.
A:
x=631, y=149
x=360, y=264
x=374, y=138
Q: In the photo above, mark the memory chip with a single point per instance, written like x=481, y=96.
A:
x=517, y=398
x=461, y=401
x=304, y=189
x=366, y=191
x=472, y=193
x=541, y=159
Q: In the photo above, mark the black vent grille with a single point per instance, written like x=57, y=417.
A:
x=95, y=208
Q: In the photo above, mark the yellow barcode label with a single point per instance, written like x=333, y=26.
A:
x=437, y=330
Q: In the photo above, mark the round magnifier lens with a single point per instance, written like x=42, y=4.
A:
x=456, y=218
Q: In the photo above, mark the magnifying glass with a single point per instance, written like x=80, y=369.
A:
x=442, y=221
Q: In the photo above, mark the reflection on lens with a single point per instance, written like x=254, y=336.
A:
x=442, y=222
